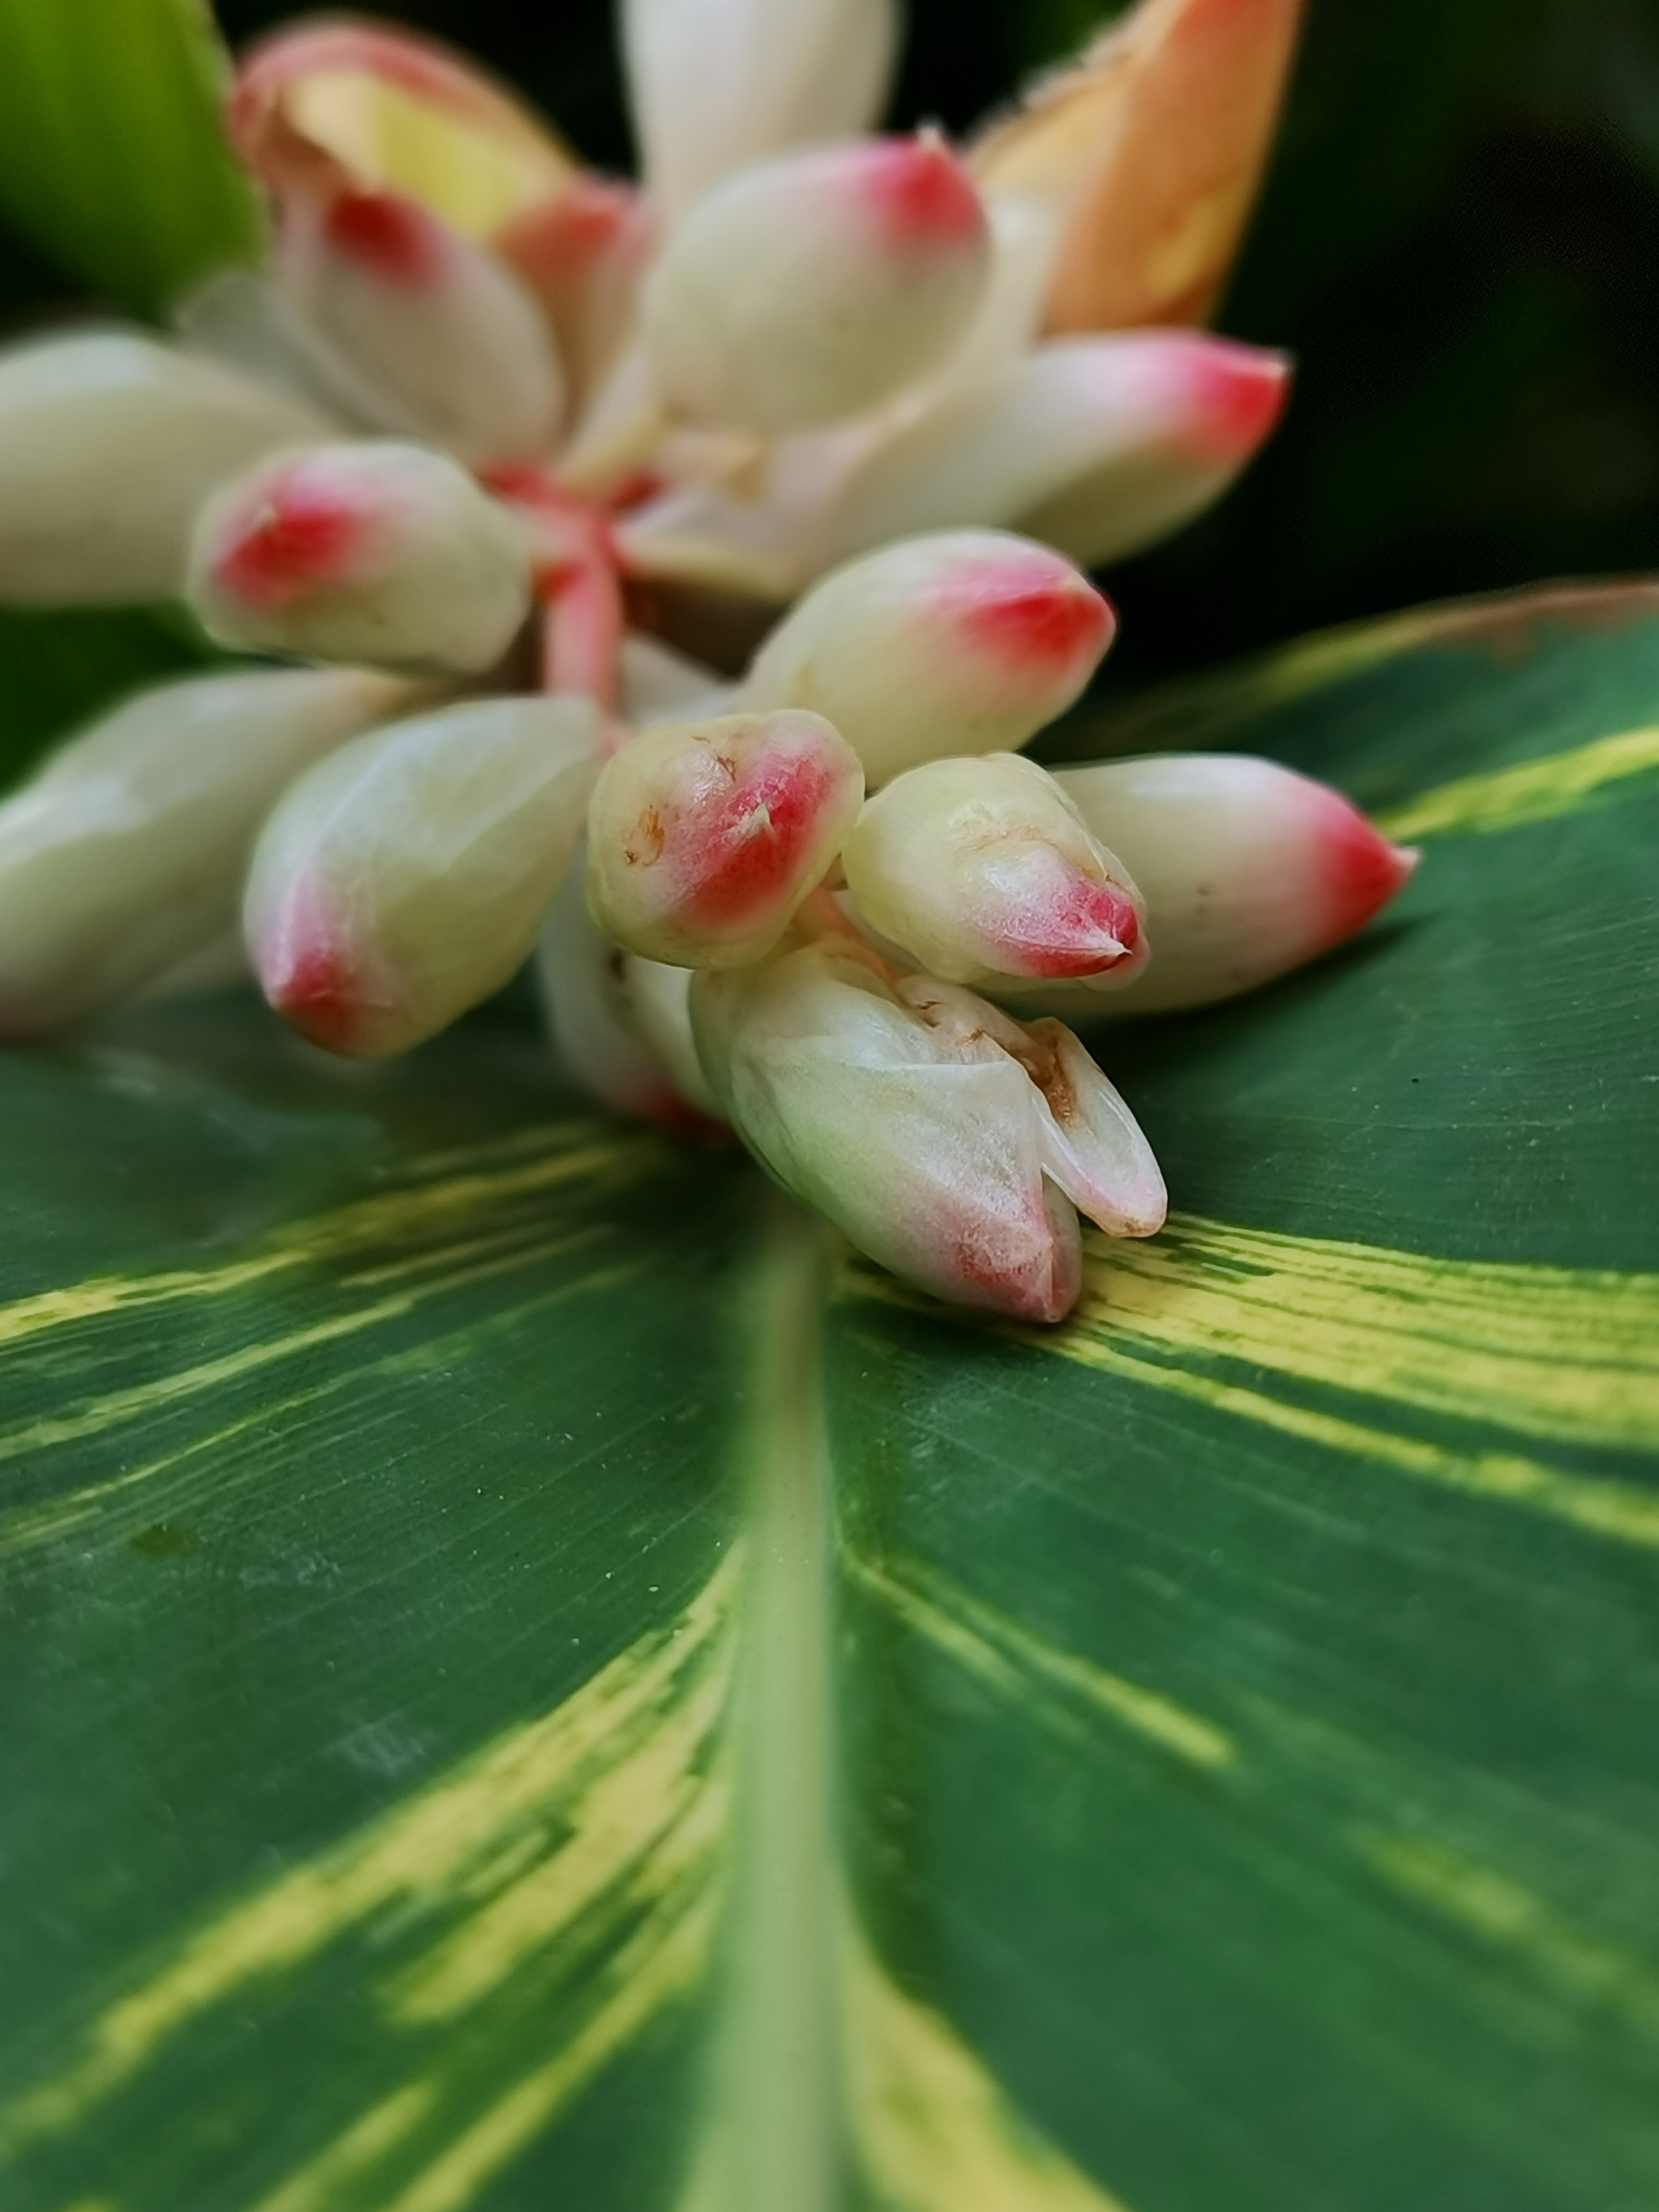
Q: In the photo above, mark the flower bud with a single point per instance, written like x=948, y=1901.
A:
x=404, y=878
x=1095, y=445
x=947, y=1141
x=658, y=999
x=983, y=870
x=436, y=320
x=125, y=854
x=583, y=254
x=1148, y=150
x=804, y=290
x=717, y=87
x=962, y=641
x=373, y=551
x=704, y=838
x=108, y=445
x=591, y=1012
x=1247, y=870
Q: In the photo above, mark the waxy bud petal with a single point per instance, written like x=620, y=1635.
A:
x=1149, y=151
x=405, y=877
x=1095, y=445
x=719, y=83
x=373, y=551
x=704, y=838
x=583, y=255
x=125, y=854
x=983, y=870
x=658, y=999
x=442, y=326
x=1247, y=870
x=108, y=445
x=591, y=1013
x=961, y=642
x=805, y=289
x=942, y=1138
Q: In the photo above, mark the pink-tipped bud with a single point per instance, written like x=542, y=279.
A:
x=1247, y=870
x=404, y=878
x=704, y=838
x=982, y=871
x=965, y=642
x=371, y=551
x=583, y=254
x=947, y=1141
x=1096, y=446
x=440, y=326
x=805, y=289
x=109, y=443
x=125, y=854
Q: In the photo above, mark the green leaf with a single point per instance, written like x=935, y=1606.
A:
x=532, y=1677
x=112, y=157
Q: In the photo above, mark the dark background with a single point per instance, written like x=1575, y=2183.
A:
x=1459, y=242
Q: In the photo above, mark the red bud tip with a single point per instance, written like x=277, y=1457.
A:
x=739, y=852
x=1089, y=928
x=922, y=197
x=1031, y=1276
x=561, y=239
x=1015, y=614
x=1362, y=869
x=389, y=236
x=1236, y=394
x=310, y=983
x=293, y=535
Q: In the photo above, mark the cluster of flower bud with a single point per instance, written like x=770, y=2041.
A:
x=485, y=423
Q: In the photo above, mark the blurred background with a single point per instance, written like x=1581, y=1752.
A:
x=1459, y=242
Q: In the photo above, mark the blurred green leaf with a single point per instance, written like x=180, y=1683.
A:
x=112, y=157
x=59, y=667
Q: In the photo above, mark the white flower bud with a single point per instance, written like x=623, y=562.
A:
x=591, y=1012
x=373, y=551
x=947, y=1141
x=962, y=642
x=125, y=855
x=404, y=878
x=1095, y=445
x=108, y=445
x=704, y=838
x=1247, y=870
x=805, y=289
x=719, y=83
x=437, y=320
x=658, y=1000
x=983, y=870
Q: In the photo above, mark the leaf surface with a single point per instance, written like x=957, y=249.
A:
x=111, y=159
x=533, y=1679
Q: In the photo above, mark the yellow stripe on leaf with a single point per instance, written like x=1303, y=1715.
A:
x=1528, y=790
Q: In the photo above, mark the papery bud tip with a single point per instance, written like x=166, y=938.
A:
x=1089, y=928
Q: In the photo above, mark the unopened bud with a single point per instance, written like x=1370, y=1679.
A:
x=583, y=254
x=1095, y=445
x=1247, y=870
x=404, y=878
x=704, y=838
x=436, y=319
x=591, y=1012
x=962, y=641
x=947, y=1141
x=126, y=852
x=374, y=552
x=659, y=1003
x=716, y=88
x=983, y=870
x=804, y=290
x=109, y=443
